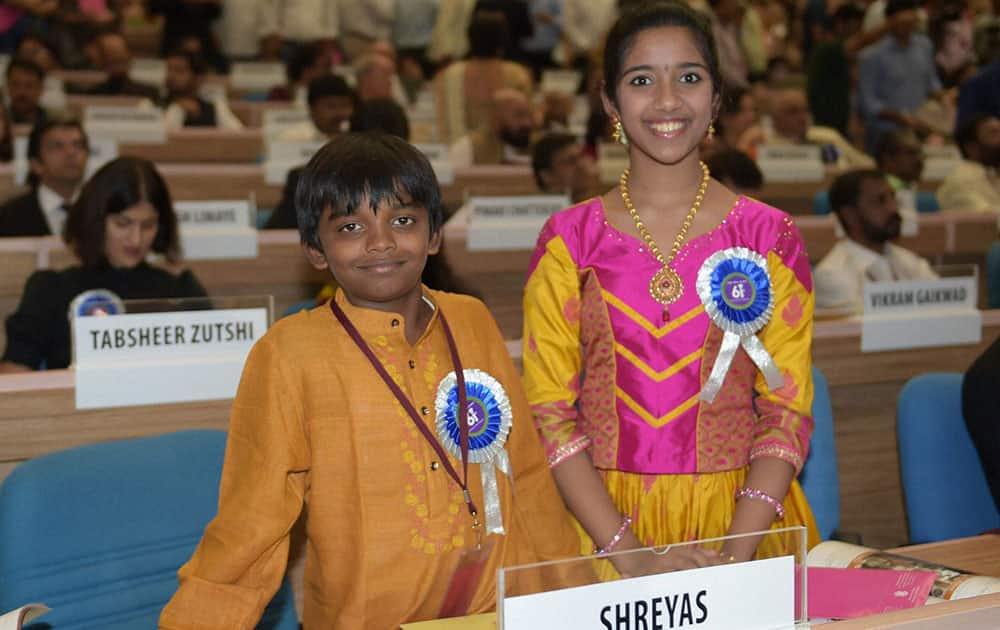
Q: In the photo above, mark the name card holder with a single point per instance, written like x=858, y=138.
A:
x=143, y=124
x=284, y=156
x=437, y=155
x=277, y=120
x=252, y=76
x=563, y=595
x=939, y=161
x=612, y=160
x=921, y=314
x=562, y=81
x=213, y=230
x=791, y=163
x=510, y=223
x=149, y=70
x=165, y=351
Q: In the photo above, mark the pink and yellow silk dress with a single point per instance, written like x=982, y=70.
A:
x=607, y=369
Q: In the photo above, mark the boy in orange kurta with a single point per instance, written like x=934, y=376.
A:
x=314, y=424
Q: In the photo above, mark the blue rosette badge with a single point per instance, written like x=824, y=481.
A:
x=96, y=302
x=735, y=289
x=489, y=418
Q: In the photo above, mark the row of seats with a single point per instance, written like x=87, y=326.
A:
x=98, y=532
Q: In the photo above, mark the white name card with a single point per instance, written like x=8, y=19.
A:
x=437, y=155
x=256, y=76
x=284, y=156
x=277, y=120
x=563, y=81
x=102, y=151
x=612, y=160
x=153, y=358
x=939, y=161
x=212, y=230
x=126, y=124
x=748, y=595
x=53, y=93
x=148, y=70
x=21, y=167
x=791, y=163
x=920, y=314
x=510, y=223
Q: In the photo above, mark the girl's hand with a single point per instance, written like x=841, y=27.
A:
x=674, y=559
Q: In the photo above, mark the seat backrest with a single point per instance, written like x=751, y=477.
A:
x=820, y=477
x=943, y=482
x=98, y=532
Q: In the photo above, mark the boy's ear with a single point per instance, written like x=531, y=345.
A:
x=315, y=257
x=435, y=245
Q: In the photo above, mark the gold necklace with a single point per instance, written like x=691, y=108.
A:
x=665, y=286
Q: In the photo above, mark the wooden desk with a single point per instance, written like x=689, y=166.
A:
x=975, y=554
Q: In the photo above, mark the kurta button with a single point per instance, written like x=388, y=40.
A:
x=435, y=465
x=425, y=410
x=395, y=323
x=413, y=364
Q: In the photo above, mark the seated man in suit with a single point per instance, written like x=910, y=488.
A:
x=504, y=139
x=561, y=167
x=57, y=154
x=331, y=103
x=116, y=61
x=866, y=207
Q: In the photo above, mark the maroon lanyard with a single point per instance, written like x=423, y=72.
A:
x=460, y=416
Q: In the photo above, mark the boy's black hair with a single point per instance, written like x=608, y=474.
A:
x=845, y=190
x=368, y=166
x=646, y=15
x=328, y=85
x=545, y=149
x=381, y=114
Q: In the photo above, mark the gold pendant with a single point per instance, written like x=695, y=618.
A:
x=666, y=287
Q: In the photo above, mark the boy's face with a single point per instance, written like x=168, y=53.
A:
x=377, y=258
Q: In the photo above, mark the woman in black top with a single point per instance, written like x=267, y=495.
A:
x=122, y=214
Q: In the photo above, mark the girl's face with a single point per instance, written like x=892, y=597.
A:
x=665, y=96
x=129, y=235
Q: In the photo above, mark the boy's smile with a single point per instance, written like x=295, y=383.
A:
x=377, y=257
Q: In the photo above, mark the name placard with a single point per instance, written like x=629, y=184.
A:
x=791, y=163
x=920, y=314
x=212, y=230
x=939, y=161
x=563, y=81
x=284, y=156
x=612, y=160
x=437, y=155
x=253, y=76
x=153, y=358
x=148, y=70
x=510, y=223
x=277, y=120
x=126, y=124
x=748, y=595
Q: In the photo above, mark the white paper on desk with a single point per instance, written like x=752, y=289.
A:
x=16, y=618
x=791, y=163
x=920, y=314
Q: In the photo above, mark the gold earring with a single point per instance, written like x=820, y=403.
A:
x=711, y=130
x=618, y=133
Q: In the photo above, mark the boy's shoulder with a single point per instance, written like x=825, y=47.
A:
x=458, y=306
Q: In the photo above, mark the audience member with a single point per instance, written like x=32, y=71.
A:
x=465, y=89
x=973, y=185
x=116, y=61
x=124, y=212
x=6, y=136
x=57, y=157
x=791, y=124
x=900, y=156
x=562, y=168
x=737, y=114
x=306, y=62
x=546, y=27
x=412, y=27
x=449, y=40
x=896, y=75
x=727, y=16
x=866, y=207
x=284, y=25
x=374, y=75
x=184, y=105
x=362, y=23
x=954, y=55
x=979, y=409
x=25, y=83
x=187, y=20
x=37, y=49
x=829, y=68
x=737, y=171
x=239, y=29
x=980, y=94
x=583, y=27
x=331, y=103
x=557, y=108
x=504, y=139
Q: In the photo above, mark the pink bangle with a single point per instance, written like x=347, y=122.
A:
x=760, y=495
x=616, y=539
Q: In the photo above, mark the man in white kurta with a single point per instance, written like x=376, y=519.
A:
x=974, y=185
